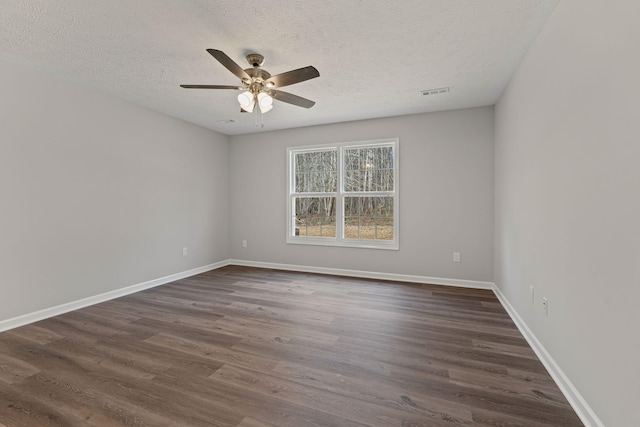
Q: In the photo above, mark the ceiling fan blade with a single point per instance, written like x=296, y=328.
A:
x=211, y=87
x=294, y=76
x=290, y=98
x=229, y=64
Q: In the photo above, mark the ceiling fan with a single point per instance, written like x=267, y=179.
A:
x=258, y=86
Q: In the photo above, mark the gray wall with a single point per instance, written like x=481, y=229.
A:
x=567, y=205
x=446, y=195
x=97, y=194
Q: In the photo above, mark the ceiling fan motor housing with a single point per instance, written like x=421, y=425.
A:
x=255, y=59
x=258, y=79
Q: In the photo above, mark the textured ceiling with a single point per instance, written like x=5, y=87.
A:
x=374, y=56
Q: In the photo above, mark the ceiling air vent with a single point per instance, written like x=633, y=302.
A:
x=438, y=91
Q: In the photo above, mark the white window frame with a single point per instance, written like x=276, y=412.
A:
x=340, y=194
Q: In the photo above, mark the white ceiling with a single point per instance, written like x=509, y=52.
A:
x=374, y=56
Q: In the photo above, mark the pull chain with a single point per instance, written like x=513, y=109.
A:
x=261, y=124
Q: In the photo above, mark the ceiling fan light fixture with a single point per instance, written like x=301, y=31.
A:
x=264, y=100
x=247, y=101
x=265, y=108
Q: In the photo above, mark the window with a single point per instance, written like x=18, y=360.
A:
x=344, y=194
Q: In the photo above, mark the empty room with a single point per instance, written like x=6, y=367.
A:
x=327, y=213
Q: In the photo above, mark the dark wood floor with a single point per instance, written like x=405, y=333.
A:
x=252, y=347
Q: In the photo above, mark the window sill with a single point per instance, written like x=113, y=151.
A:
x=360, y=244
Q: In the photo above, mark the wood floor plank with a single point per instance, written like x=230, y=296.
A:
x=218, y=353
x=343, y=406
x=250, y=422
x=259, y=406
x=385, y=393
x=250, y=347
x=36, y=334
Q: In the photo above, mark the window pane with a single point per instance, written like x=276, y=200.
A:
x=316, y=171
x=384, y=228
x=384, y=207
x=299, y=183
x=351, y=159
x=351, y=227
x=368, y=169
x=368, y=218
x=352, y=180
x=315, y=216
x=351, y=206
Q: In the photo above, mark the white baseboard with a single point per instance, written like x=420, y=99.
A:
x=28, y=318
x=577, y=402
x=85, y=302
x=367, y=274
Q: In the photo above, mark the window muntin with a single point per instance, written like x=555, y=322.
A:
x=344, y=194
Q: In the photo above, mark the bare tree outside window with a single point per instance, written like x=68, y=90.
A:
x=316, y=173
x=368, y=170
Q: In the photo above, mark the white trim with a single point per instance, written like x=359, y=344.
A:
x=25, y=319
x=345, y=243
x=577, y=402
x=367, y=274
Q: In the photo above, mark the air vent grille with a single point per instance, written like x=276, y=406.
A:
x=438, y=91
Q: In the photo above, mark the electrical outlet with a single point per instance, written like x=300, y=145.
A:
x=456, y=257
x=244, y=243
x=545, y=306
x=184, y=252
x=531, y=294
